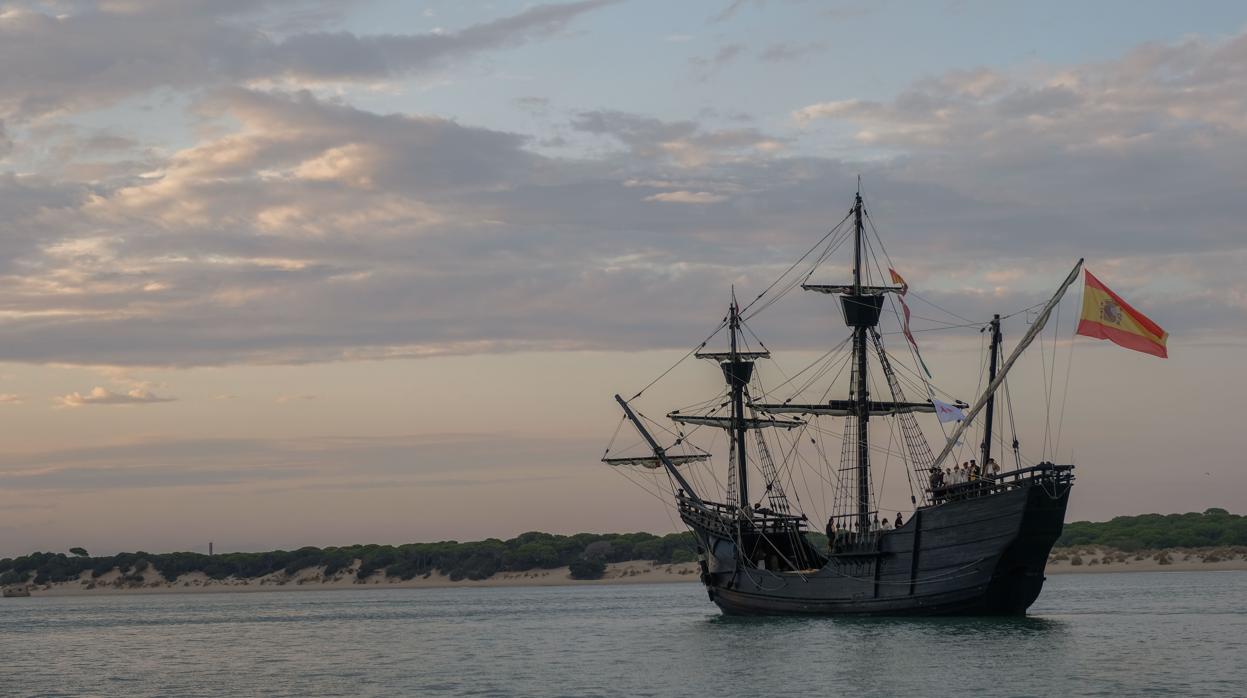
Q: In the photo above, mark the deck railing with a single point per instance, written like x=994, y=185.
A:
x=1013, y=479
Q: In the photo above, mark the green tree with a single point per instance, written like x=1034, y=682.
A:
x=587, y=568
x=80, y=552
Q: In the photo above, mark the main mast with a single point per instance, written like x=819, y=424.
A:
x=738, y=373
x=861, y=393
x=861, y=305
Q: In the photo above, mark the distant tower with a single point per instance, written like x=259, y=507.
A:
x=209, y=547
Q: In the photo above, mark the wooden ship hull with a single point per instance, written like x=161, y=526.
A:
x=979, y=554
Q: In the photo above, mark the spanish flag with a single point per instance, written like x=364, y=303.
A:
x=1106, y=316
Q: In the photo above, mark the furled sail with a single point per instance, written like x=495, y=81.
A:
x=844, y=408
x=1027, y=338
x=728, y=423
x=727, y=355
x=654, y=462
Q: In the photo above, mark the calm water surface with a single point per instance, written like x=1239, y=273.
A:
x=1169, y=633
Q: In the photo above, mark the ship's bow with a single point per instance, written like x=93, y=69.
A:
x=1019, y=574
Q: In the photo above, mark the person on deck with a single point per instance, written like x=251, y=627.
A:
x=886, y=525
x=831, y=533
x=899, y=521
x=974, y=470
x=992, y=467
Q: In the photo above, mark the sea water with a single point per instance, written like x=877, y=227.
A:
x=1128, y=634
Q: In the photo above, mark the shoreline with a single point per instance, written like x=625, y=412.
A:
x=633, y=572
x=1062, y=561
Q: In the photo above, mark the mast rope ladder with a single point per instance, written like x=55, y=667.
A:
x=920, y=455
x=774, y=489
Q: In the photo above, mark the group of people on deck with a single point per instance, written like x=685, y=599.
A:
x=969, y=471
x=839, y=537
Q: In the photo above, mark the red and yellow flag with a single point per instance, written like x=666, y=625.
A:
x=1106, y=316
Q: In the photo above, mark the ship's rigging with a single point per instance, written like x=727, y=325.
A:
x=796, y=443
x=975, y=539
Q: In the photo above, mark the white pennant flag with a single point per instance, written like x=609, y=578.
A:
x=946, y=412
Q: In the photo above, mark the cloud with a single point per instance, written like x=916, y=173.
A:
x=103, y=396
x=687, y=197
x=533, y=104
x=11, y=399
x=711, y=64
x=685, y=143
x=100, y=52
x=296, y=227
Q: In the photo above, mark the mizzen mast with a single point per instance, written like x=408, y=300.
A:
x=990, y=410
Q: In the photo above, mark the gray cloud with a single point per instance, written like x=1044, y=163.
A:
x=101, y=52
x=684, y=142
x=304, y=229
x=709, y=65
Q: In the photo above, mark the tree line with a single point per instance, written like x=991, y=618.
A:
x=586, y=554
x=1212, y=528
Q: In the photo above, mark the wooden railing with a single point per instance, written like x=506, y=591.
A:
x=1013, y=479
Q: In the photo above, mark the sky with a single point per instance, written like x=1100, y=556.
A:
x=278, y=273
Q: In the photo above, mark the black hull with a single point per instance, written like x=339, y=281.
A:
x=979, y=555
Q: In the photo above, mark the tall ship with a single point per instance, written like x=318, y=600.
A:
x=974, y=538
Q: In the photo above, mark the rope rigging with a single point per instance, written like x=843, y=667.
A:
x=794, y=462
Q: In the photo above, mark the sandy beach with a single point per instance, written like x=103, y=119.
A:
x=634, y=572
x=1094, y=560
x=1088, y=560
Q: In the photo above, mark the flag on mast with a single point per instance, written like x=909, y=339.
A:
x=1106, y=316
x=946, y=412
x=898, y=279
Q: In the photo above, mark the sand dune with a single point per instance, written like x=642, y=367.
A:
x=313, y=579
x=1089, y=560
